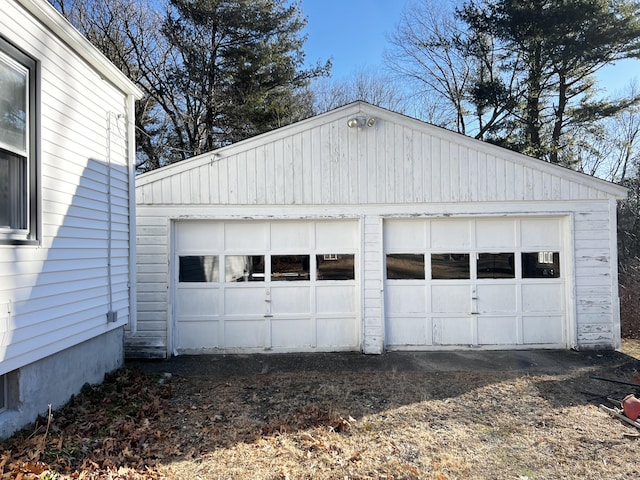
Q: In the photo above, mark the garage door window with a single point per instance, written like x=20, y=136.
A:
x=450, y=266
x=496, y=265
x=289, y=267
x=541, y=265
x=335, y=267
x=244, y=268
x=405, y=266
x=199, y=268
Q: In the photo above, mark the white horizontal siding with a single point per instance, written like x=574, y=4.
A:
x=372, y=280
x=595, y=277
x=152, y=276
x=58, y=290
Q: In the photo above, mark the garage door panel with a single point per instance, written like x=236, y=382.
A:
x=407, y=331
x=244, y=301
x=543, y=330
x=288, y=236
x=405, y=298
x=244, y=334
x=288, y=300
x=453, y=331
x=494, y=234
x=245, y=236
x=197, y=335
x=336, y=299
x=405, y=235
x=542, y=297
x=200, y=236
x=451, y=298
x=450, y=234
x=496, y=298
x=198, y=301
x=336, y=236
x=497, y=330
x=540, y=234
x=336, y=332
x=291, y=333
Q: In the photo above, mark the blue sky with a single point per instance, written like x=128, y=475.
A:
x=353, y=34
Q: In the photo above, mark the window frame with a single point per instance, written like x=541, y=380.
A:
x=30, y=235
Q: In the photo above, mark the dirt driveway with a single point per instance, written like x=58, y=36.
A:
x=488, y=415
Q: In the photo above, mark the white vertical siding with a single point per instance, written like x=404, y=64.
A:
x=332, y=164
x=58, y=290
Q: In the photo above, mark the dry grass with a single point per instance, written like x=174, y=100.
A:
x=631, y=347
x=393, y=426
x=356, y=425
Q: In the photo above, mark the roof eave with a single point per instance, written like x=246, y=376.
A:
x=62, y=28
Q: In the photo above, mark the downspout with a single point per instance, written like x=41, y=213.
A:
x=131, y=153
x=111, y=315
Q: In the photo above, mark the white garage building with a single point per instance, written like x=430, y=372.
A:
x=365, y=230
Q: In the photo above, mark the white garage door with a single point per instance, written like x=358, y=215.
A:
x=246, y=286
x=495, y=283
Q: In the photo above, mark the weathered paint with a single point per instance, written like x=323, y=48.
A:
x=399, y=168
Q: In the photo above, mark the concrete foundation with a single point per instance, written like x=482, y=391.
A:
x=52, y=381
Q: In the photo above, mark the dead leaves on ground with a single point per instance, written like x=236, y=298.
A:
x=104, y=432
x=379, y=425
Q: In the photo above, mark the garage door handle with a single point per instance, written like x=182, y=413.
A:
x=268, y=316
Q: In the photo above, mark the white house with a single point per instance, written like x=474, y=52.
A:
x=66, y=207
x=365, y=230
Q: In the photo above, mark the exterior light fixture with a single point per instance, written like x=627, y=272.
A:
x=360, y=122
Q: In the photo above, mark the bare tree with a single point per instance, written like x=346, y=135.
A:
x=424, y=50
x=366, y=85
x=611, y=149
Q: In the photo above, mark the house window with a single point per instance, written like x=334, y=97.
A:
x=18, y=162
x=199, y=268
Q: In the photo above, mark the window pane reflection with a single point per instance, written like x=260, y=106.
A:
x=496, y=265
x=244, y=268
x=449, y=266
x=289, y=267
x=335, y=267
x=541, y=265
x=405, y=266
x=200, y=268
x=13, y=106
